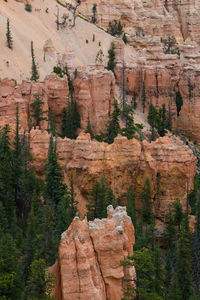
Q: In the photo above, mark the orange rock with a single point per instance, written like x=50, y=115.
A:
x=167, y=162
x=94, y=93
x=90, y=255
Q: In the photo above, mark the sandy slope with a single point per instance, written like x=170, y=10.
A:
x=40, y=26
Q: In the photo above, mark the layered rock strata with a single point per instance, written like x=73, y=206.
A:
x=167, y=162
x=93, y=89
x=89, y=257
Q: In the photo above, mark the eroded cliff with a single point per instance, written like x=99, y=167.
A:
x=85, y=269
x=167, y=162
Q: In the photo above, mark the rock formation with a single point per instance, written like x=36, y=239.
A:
x=89, y=257
x=94, y=93
x=167, y=162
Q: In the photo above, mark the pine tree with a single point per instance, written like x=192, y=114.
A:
x=111, y=58
x=143, y=95
x=127, y=115
x=8, y=36
x=174, y=289
x=6, y=180
x=179, y=102
x=146, y=210
x=183, y=265
x=55, y=189
x=37, y=111
x=134, y=99
x=142, y=261
x=11, y=284
x=153, y=120
x=170, y=238
x=113, y=126
x=52, y=124
x=18, y=172
x=99, y=198
x=73, y=203
x=158, y=271
x=178, y=213
x=48, y=239
x=89, y=128
x=196, y=250
x=130, y=205
x=40, y=282
x=63, y=216
x=70, y=120
x=33, y=236
x=162, y=116
x=34, y=73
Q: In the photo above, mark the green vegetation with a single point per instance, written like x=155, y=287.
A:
x=115, y=28
x=34, y=71
x=113, y=126
x=111, y=58
x=9, y=36
x=94, y=13
x=28, y=7
x=179, y=102
x=37, y=111
x=157, y=120
x=100, y=196
x=70, y=120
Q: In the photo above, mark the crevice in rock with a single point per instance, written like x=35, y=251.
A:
x=96, y=255
x=79, y=295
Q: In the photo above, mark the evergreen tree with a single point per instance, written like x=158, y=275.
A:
x=153, y=120
x=111, y=58
x=170, y=238
x=178, y=213
x=37, y=111
x=113, y=126
x=89, y=128
x=143, y=95
x=158, y=271
x=40, y=282
x=127, y=115
x=124, y=38
x=55, y=189
x=179, y=102
x=70, y=120
x=63, y=216
x=99, y=198
x=134, y=99
x=94, y=11
x=18, y=172
x=146, y=210
x=144, y=289
x=8, y=36
x=174, y=289
x=130, y=206
x=33, y=237
x=11, y=284
x=6, y=180
x=34, y=73
x=196, y=250
x=183, y=265
x=73, y=203
x=52, y=124
x=162, y=115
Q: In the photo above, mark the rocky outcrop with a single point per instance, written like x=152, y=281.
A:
x=89, y=257
x=93, y=89
x=156, y=18
x=94, y=93
x=167, y=162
